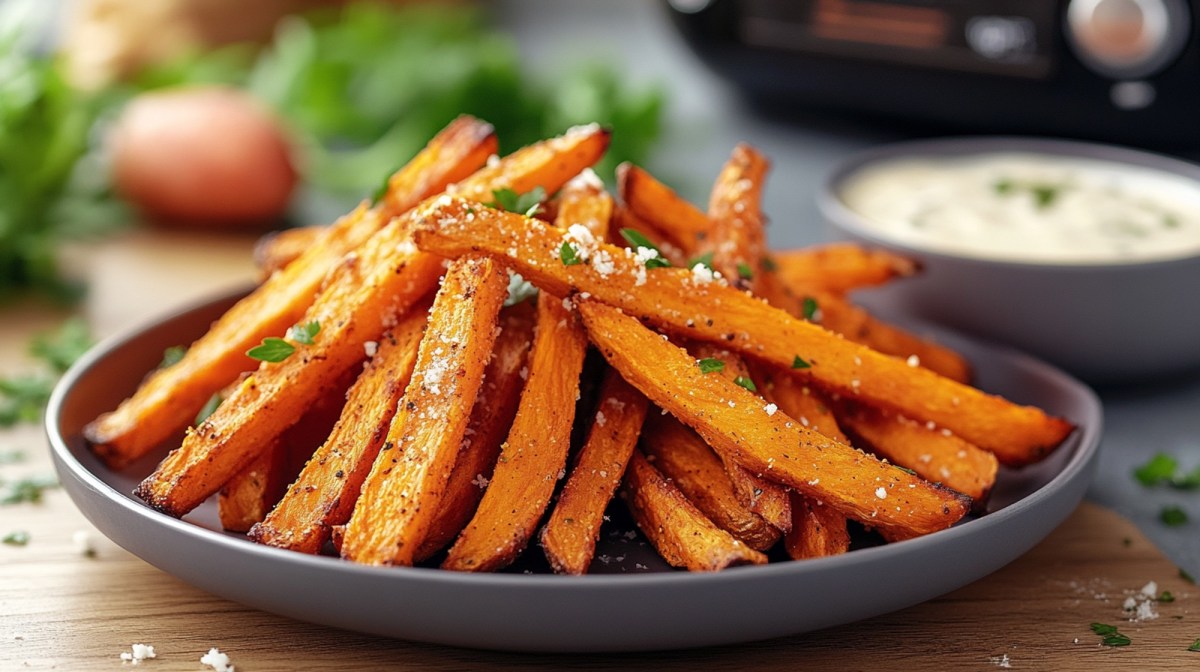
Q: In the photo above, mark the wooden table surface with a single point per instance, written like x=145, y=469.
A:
x=61, y=610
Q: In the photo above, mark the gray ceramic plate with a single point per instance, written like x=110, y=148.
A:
x=631, y=602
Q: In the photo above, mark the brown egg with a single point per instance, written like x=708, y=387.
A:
x=205, y=156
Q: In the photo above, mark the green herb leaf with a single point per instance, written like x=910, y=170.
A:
x=657, y=262
x=744, y=271
x=16, y=538
x=636, y=239
x=705, y=259
x=568, y=256
x=1166, y=596
x=1160, y=469
x=1195, y=646
x=1173, y=516
x=304, y=333
x=519, y=289
x=1044, y=195
x=272, y=349
x=745, y=382
x=528, y=204
x=809, y=308
x=1003, y=186
x=1116, y=640
x=209, y=408
x=1183, y=574
x=798, y=363
x=711, y=365
x=27, y=490
x=769, y=264
x=906, y=470
x=1104, y=629
x=172, y=356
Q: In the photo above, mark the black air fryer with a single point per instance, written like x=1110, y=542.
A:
x=1124, y=71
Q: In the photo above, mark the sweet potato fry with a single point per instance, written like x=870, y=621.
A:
x=534, y=455
x=856, y=324
x=495, y=407
x=548, y=164
x=672, y=298
x=251, y=493
x=569, y=537
x=535, y=452
x=171, y=397
x=764, y=497
x=405, y=488
x=325, y=492
x=676, y=528
x=734, y=420
x=683, y=457
x=817, y=530
x=365, y=293
x=274, y=251
x=937, y=456
x=249, y=496
x=662, y=208
x=738, y=239
x=840, y=268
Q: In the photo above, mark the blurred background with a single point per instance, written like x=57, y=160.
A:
x=248, y=116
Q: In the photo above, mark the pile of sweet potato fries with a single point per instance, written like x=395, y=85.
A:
x=390, y=389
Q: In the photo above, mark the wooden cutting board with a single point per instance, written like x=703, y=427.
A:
x=60, y=610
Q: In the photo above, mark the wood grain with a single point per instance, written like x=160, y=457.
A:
x=61, y=610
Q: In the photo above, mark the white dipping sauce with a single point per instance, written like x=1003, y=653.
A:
x=1029, y=207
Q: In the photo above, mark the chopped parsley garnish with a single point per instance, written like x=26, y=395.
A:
x=1160, y=469
x=276, y=350
x=27, y=490
x=568, y=256
x=769, y=265
x=744, y=271
x=1173, y=516
x=16, y=538
x=1183, y=574
x=528, y=204
x=1004, y=186
x=906, y=470
x=209, y=408
x=24, y=397
x=1195, y=646
x=745, y=382
x=705, y=260
x=637, y=239
x=304, y=333
x=1166, y=596
x=798, y=363
x=1111, y=637
x=172, y=356
x=1163, y=468
x=711, y=365
x=271, y=349
x=809, y=308
x=1044, y=195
